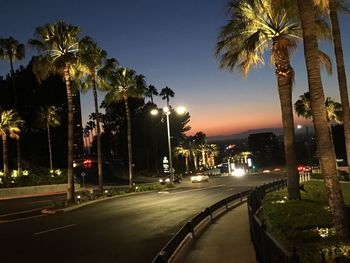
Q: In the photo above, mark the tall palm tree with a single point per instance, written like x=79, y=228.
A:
x=95, y=66
x=9, y=126
x=166, y=94
x=151, y=91
x=333, y=6
x=58, y=45
x=324, y=143
x=11, y=50
x=49, y=116
x=125, y=84
x=256, y=27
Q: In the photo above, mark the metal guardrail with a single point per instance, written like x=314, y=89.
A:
x=190, y=229
x=267, y=248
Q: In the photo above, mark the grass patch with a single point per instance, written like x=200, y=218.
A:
x=305, y=224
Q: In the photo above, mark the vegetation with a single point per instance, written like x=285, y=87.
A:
x=49, y=117
x=12, y=50
x=306, y=224
x=9, y=126
x=324, y=142
x=125, y=84
x=256, y=27
x=95, y=68
x=58, y=44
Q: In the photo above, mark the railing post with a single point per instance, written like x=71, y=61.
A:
x=294, y=258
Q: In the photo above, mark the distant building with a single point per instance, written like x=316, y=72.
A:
x=265, y=149
x=78, y=144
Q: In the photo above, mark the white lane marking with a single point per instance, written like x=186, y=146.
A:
x=54, y=229
x=20, y=219
x=198, y=189
x=163, y=192
x=22, y=212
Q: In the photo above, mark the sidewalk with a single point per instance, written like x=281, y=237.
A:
x=226, y=240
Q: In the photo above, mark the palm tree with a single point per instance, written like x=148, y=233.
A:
x=185, y=151
x=58, y=45
x=50, y=117
x=125, y=84
x=12, y=50
x=333, y=109
x=333, y=6
x=86, y=133
x=324, y=143
x=166, y=94
x=151, y=91
x=95, y=66
x=212, y=152
x=91, y=126
x=255, y=27
x=9, y=125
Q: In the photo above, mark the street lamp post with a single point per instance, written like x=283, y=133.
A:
x=308, y=143
x=166, y=111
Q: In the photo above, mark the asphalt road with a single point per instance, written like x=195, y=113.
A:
x=130, y=228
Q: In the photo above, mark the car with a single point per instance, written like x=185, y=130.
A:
x=166, y=179
x=199, y=178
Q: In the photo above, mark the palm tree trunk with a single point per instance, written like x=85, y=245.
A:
x=129, y=140
x=195, y=162
x=339, y=57
x=49, y=143
x=5, y=156
x=285, y=74
x=324, y=144
x=70, y=183
x=19, y=159
x=98, y=138
x=186, y=164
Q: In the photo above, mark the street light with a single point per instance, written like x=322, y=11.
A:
x=308, y=143
x=166, y=110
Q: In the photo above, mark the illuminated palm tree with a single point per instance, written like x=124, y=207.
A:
x=58, y=45
x=95, y=67
x=256, y=27
x=125, y=84
x=166, y=94
x=11, y=50
x=49, y=116
x=184, y=151
x=10, y=124
x=324, y=143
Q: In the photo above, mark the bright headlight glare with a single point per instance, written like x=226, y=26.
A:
x=238, y=172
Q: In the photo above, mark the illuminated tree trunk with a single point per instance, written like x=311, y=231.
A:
x=324, y=143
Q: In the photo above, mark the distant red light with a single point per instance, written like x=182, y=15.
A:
x=301, y=168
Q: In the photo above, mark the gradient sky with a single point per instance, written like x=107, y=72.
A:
x=172, y=43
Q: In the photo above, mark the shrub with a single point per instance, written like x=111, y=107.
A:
x=305, y=224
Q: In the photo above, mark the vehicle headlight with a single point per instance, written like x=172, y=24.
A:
x=160, y=180
x=238, y=172
x=167, y=180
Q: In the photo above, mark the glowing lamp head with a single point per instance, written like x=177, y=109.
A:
x=181, y=110
x=299, y=126
x=154, y=112
x=166, y=110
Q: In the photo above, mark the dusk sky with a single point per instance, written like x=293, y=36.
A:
x=172, y=43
